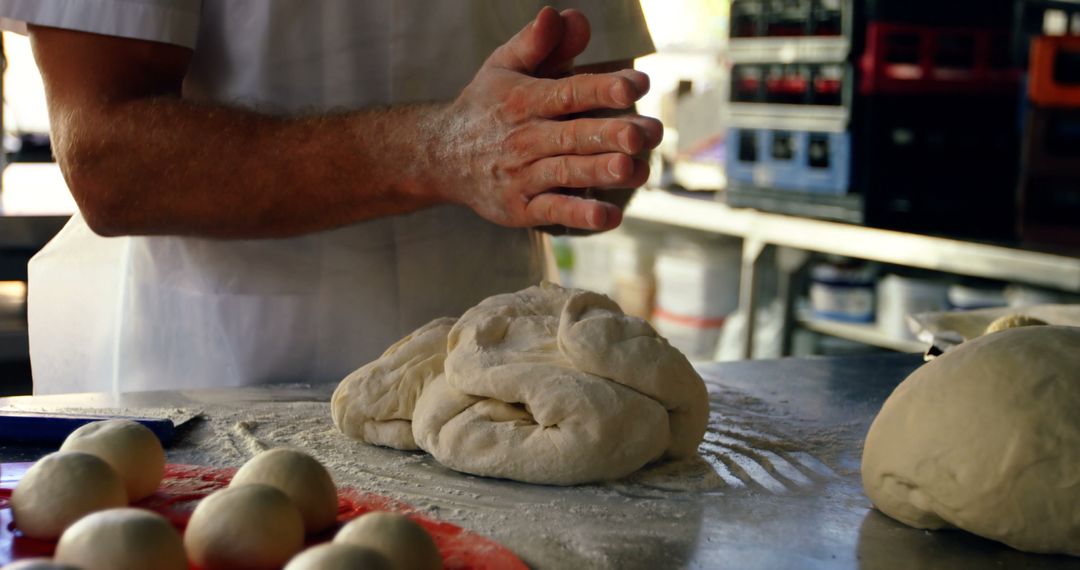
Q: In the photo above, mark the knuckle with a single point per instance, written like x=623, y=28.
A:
x=567, y=95
x=551, y=211
x=515, y=102
x=560, y=172
x=517, y=142
x=568, y=137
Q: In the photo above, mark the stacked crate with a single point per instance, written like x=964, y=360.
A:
x=1050, y=167
x=895, y=114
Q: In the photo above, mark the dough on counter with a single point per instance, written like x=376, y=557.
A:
x=558, y=386
x=247, y=527
x=129, y=447
x=299, y=476
x=375, y=403
x=38, y=564
x=397, y=537
x=546, y=385
x=60, y=489
x=122, y=539
x=339, y=556
x=986, y=438
x=1012, y=321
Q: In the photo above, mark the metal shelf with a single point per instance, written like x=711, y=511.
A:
x=947, y=255
x=865, y=333
x=788, y=50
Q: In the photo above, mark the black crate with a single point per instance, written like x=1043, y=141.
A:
x=938, y=164
x=1050, y=177
x=787, y=18
x=961, y=13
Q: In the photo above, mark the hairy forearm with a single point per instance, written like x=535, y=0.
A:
x=168, y=166
x=140, y=160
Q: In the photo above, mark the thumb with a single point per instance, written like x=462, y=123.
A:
x=532, y=45
x=575, y=39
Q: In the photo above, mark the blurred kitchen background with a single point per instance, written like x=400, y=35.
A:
x=830, y=167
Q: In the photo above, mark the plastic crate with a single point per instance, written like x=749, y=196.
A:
x=1054, y=72
x=787, y=18
x=815, y=162
x=938, y=164
x=797, y=84
x=1041, y=17
x=1050, y=179
x=914, y=59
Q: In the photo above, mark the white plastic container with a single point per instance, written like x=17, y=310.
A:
x=843, y=291
x=1026, y=296
x=697, y=287
x=969, y=298
x=900, y=296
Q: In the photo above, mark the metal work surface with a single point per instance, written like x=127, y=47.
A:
x=777, y=486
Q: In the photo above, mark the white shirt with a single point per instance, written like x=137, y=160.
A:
x=138, y=313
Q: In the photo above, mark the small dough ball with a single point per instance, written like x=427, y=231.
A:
x=246, y=527
x=397, y=537
x=38, y=564
x=129, y=447
x=60, y=489
x=122, y=539
x=299, y=476
x=1012, y=321
x=986, y=438
x=339, y=556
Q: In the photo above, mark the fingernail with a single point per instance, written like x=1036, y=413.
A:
x=613, y=166
x=620, y=93
x=625, y=139
x=598, y=218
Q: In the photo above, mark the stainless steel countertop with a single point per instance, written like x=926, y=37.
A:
x=763, y=514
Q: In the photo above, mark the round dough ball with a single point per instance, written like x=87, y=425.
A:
x=246, y=527
x=986, y=438
x=122, y=539
x=299, y=476
x=129, y=447
x=339, y=557
x=397, y=537
x=1012, y=321
x=60, y=489
x=38, y=564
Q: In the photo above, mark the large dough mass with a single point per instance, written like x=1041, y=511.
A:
x=546, y=385
x=986, y=438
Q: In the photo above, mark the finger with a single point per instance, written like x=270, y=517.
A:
x=609, y=170
x=532, y=45
x=576, y=35
x=581, y=93
x=652, y=129
x=587, y=136
x=573, y=212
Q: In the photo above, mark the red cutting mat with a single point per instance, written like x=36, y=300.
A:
x=185, y=485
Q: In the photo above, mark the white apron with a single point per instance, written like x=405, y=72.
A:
x=142, y=313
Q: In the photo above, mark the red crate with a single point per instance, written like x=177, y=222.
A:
x=910, y=59
x=1054, y=71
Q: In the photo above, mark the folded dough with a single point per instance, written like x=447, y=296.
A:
x=546, y=385
x=375, y=403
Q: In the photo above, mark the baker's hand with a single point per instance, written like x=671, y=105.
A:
x=508, y=142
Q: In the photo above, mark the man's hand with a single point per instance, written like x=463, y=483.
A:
x=506, y=142
x=141, y=160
